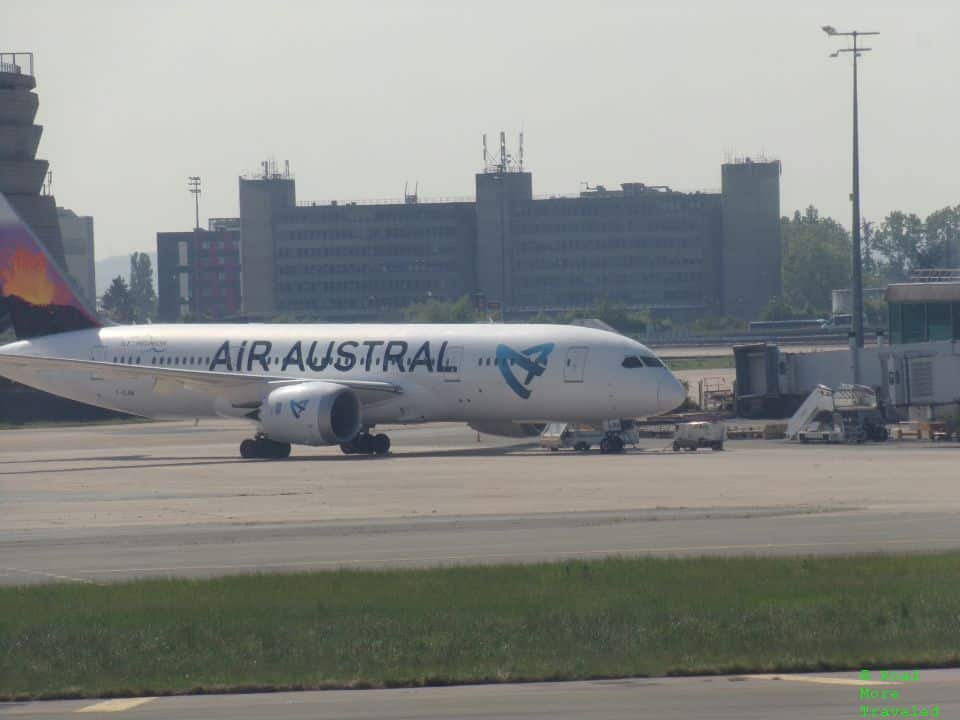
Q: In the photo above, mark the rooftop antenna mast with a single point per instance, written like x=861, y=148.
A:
x=194, y=184
x=408, y=197
x=503, y=152
x=521, y=152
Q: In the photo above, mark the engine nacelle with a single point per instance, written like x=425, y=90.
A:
x=311, y=413
x=505, y=428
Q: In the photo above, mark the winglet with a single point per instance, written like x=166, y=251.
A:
x=36, y=296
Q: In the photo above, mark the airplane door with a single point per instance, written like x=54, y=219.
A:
x=98, y=353
x=576, y=364
x=452, y=361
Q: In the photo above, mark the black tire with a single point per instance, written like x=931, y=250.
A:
x=347, y=448
x=605, y=445
x=717, y=446
x=553, y=449
x=616, y=444
x=272, y=449
x=380, y=444
x=676, y=446
x=248, y=449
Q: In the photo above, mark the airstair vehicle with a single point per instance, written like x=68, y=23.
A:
x=849, y=414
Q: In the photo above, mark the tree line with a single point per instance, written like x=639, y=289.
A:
x=817, y=257
x=136, y=302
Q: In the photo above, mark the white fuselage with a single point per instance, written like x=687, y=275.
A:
x=473, y=372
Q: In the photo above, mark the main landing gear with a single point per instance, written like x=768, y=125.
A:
x=612, y=443
x=367, y=444
x=263, y=447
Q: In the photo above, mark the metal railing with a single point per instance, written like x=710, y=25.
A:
x=14, y=62
x=384, y=201
x=935, y=275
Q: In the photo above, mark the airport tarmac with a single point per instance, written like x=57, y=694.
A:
x=825, y=696
x=113, y=502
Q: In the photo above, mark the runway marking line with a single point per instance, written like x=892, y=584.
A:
x=488, y=556
x=55, y=576
x=817, y=680
x=116, y=705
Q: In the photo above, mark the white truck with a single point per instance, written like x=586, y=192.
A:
x=695, y=435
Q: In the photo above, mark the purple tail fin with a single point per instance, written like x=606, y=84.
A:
x=36, y=296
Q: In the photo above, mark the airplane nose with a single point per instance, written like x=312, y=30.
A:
x=670, y=394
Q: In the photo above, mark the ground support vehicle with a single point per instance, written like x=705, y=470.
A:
x=611, y=437
x=695, y=435
x=849, y=414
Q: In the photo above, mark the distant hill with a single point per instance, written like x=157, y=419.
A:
x=109, y=268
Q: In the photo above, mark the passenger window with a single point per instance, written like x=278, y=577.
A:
x=176, y=361
x=631, y=362
x=114, y=358
x=138, y=359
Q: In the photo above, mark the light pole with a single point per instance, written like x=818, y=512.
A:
x=857, y=260
x=194, y=183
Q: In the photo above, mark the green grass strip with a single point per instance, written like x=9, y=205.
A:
x=711, y=362
x=561, y=621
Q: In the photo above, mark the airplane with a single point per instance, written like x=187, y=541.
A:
x=317, y=384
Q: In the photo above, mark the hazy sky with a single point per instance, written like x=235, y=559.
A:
x=362, y=96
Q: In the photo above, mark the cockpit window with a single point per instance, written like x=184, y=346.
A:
x=634, y=361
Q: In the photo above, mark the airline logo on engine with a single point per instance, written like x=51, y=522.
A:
x=533, y=361
x=297, y=407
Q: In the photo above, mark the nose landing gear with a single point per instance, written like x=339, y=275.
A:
x=263, y=447
x=367, y=444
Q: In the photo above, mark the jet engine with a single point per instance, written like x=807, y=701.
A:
x=506, y=428
x=311, y=413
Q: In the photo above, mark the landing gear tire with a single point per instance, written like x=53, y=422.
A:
x=611, y=444
x=261, y=447
x=381, y=444
x=366, y=444
x=248, y=449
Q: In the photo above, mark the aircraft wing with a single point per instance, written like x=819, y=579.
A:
x=241, y=390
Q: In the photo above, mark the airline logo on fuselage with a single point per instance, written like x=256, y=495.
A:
x=341, y=356
x=533, y=361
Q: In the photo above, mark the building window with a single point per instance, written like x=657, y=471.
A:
x=914, y=322
x=939, y=325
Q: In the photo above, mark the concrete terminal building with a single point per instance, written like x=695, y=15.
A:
x=198, y=272
x=683, y=255
x=22, y=175
x=76, y=232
